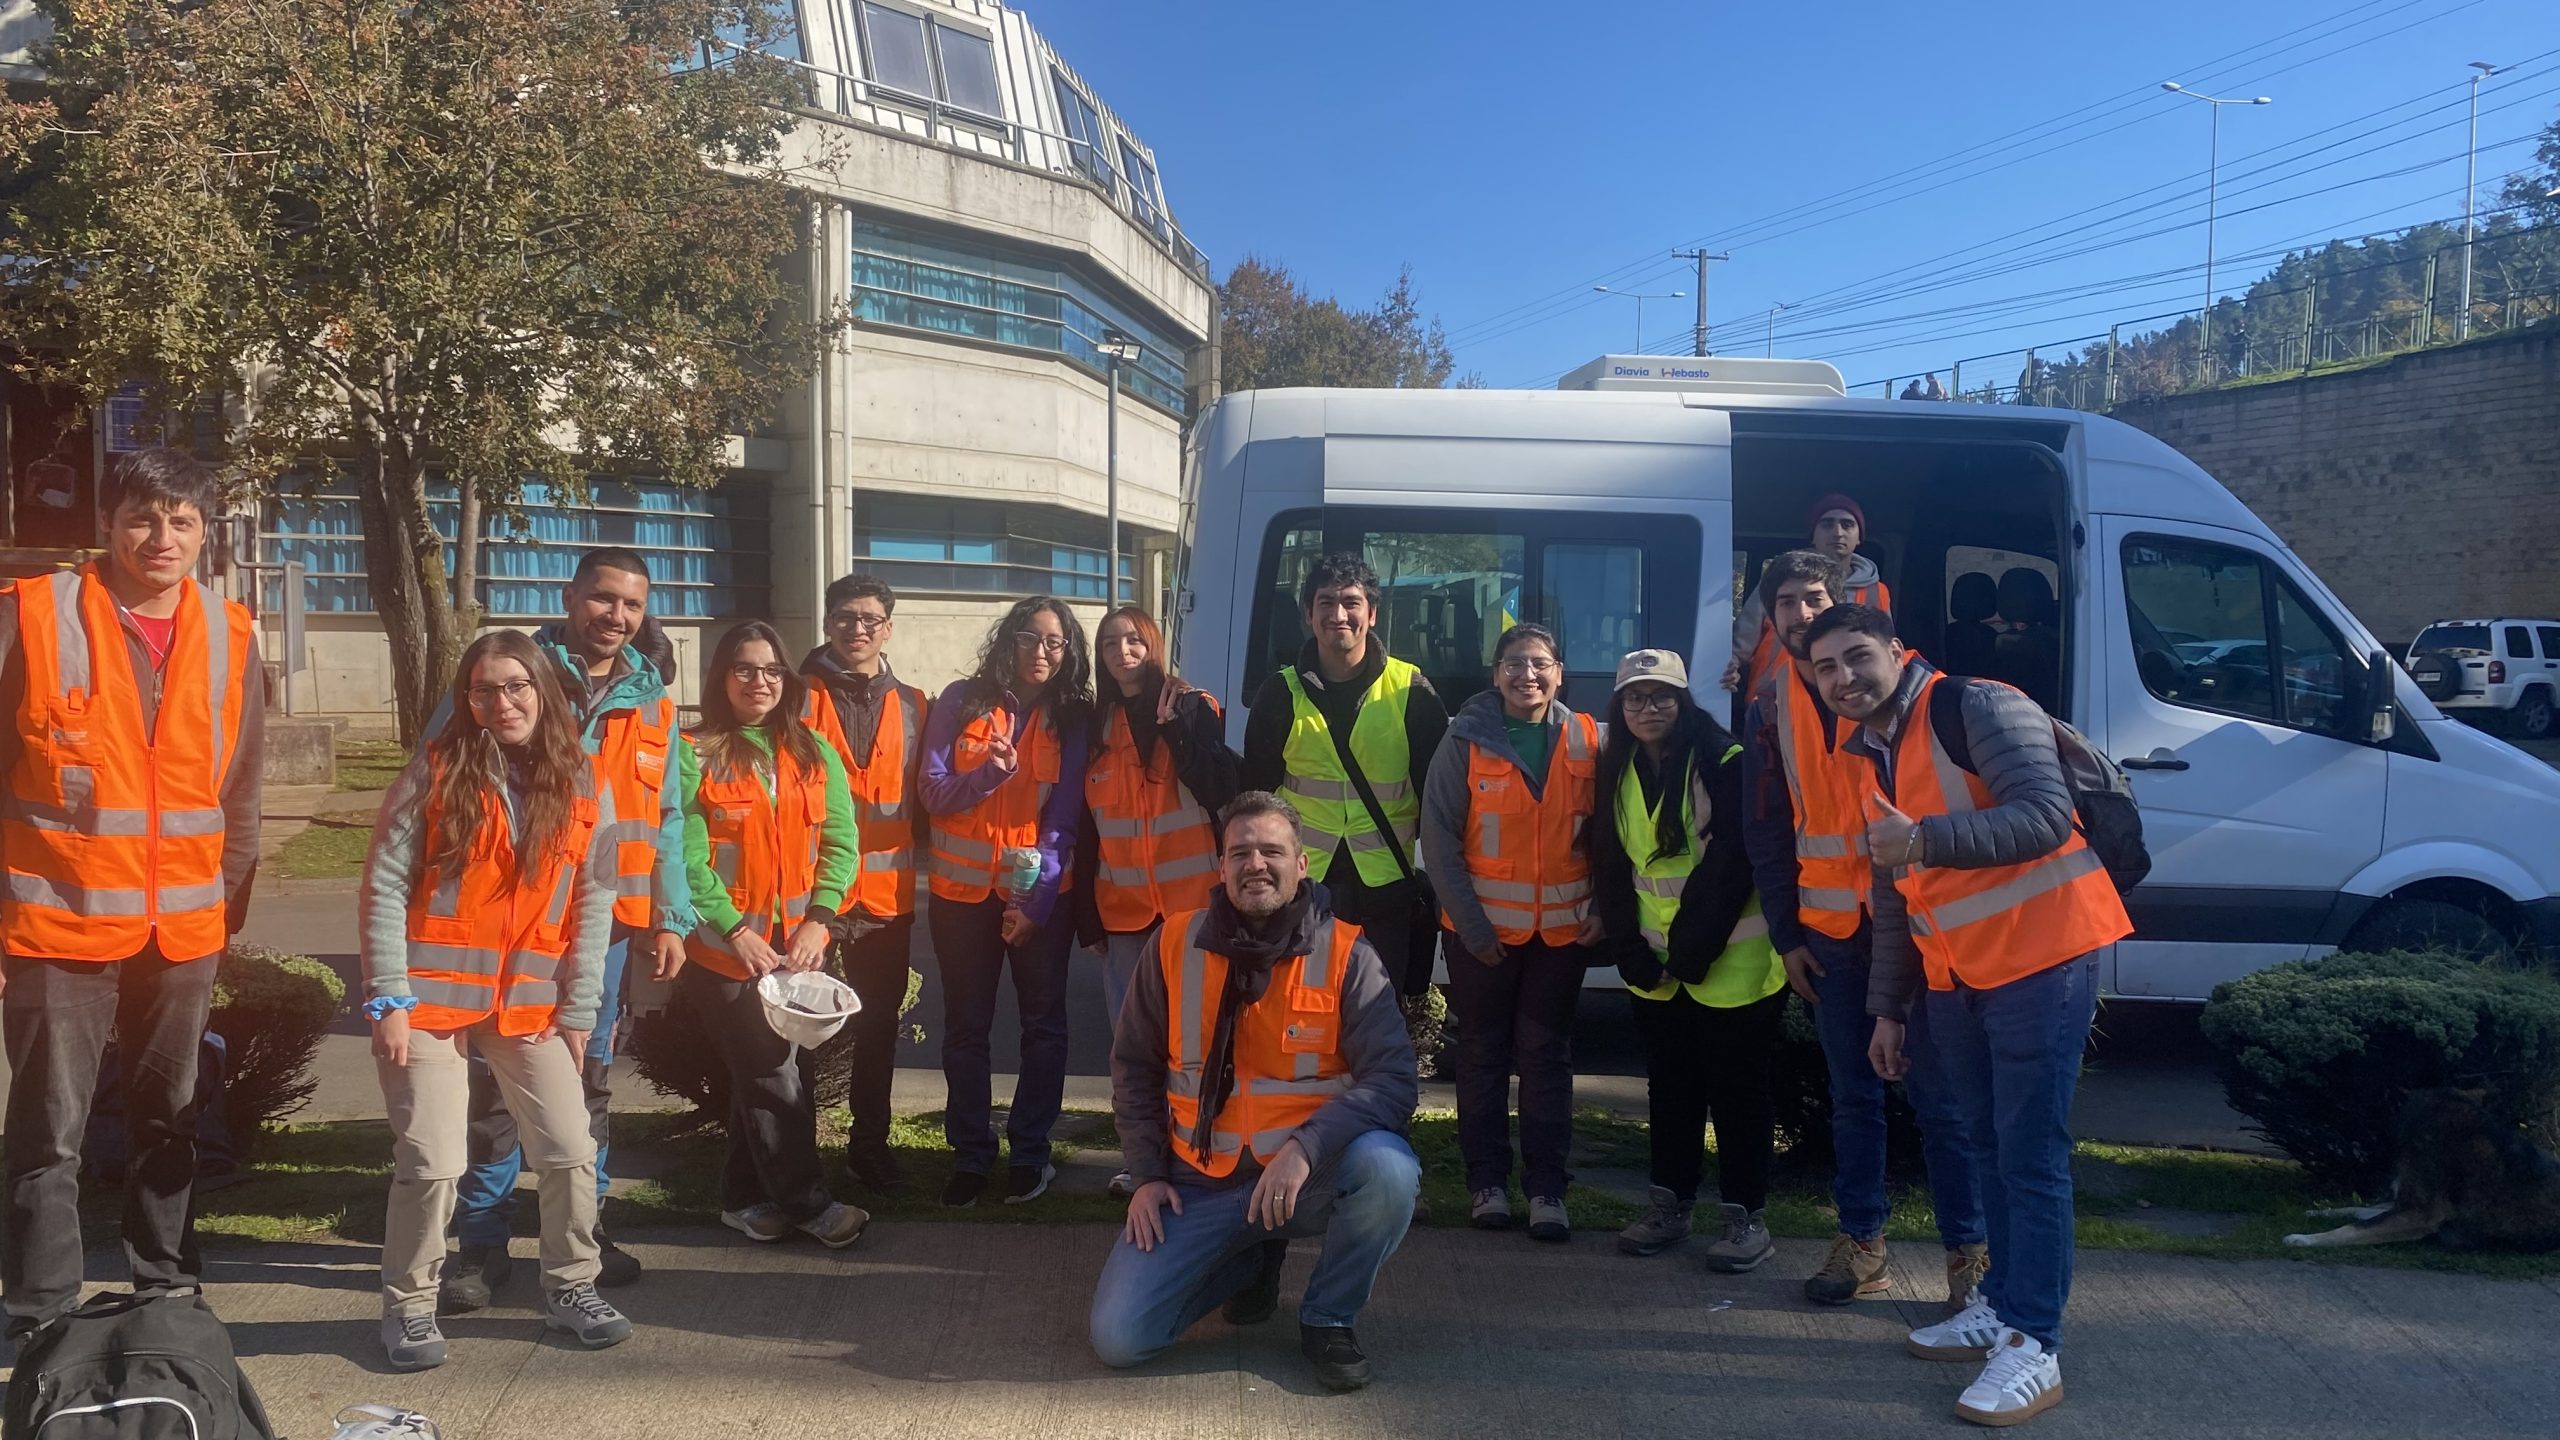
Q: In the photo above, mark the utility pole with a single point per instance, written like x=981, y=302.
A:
x=2481, y=70
x=1699, y=342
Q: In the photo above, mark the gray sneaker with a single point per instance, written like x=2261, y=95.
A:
x=837, y=1226
x=580, y=1312
x=1744, y=1243
x=412, y=1342
x=1665, y=1223
x=1548, y=1221
x=762, y=1222
x=1489, y=1208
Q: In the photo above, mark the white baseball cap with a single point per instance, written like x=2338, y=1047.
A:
x=1660, y=666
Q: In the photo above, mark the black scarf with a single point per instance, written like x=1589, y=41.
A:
x=1252, y=952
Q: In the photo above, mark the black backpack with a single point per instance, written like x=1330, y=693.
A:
x=2101, y=795
x=154, y=1366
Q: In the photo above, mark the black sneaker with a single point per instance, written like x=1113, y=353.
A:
x=875, y=1168
x=1260, y=1300
x=963, y=1191
x=1340, y=1362
x=470, y=1275
x=620, y=1266
x=1028, y=1183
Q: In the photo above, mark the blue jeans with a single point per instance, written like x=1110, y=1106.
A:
x=1147, y=1298
x=968, y=943
x=484, y=1206
x=1858, y=1104
x=2013, y=1054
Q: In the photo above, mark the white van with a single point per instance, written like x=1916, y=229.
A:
x=2290, y=805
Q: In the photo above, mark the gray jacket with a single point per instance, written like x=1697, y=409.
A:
x=1375, y=1046
x=391, y=871
x=1478, y=725
x=2011, y=740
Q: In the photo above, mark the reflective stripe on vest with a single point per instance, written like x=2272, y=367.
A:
x=113, y=824
x=764, y=849
x=488, y=937
x=882, y=809
x=1987, y=927
x=966, y=850
x=631, y=763
x=1825, y=790
x=1524, y=862
x=1330, y=811
x=1288, y=1044
x=1748, y=968
x=1158, y=849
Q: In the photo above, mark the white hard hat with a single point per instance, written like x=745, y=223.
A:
x=806, y=1007
x=383, y=1422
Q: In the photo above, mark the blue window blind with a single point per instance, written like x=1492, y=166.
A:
x=983, y=547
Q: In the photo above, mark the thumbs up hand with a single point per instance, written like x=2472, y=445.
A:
x=1893, y=838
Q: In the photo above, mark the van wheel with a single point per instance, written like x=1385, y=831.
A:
x=2533, y=716
x=2436, y=926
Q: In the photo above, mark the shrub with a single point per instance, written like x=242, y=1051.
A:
x=270, y=1009
x=2323, y=1053
x=674, y=1054
x=1801, y=1083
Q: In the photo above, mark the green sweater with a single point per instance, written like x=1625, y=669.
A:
x=839, y=841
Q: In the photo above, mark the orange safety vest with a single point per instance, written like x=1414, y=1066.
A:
x=631, y=762
x=966, y=852
x=1989, y=927
x=1826, y=789
x=764, y=848
x=1524, y=854
x=488, y=938
x=882, y=810
x=114, y=830
x=1288, y=1044
x=1159, y=846
x=1765, y=653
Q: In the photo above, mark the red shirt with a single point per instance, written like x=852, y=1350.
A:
x=157, y=635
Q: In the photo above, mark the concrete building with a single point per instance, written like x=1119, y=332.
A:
x=987, y=221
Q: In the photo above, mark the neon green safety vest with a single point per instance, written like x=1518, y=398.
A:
x=1329, y=806
x=1749, y=968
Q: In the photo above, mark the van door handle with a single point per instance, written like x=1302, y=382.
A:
x=2156, y=760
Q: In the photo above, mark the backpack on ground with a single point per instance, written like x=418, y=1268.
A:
x=153, y=1366
x=2101, y=794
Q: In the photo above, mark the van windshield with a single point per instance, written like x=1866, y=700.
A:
x=2453, y=640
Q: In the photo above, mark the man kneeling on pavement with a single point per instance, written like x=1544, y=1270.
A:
x=1262, y=1078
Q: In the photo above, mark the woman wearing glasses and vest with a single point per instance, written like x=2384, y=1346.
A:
x=486, y=910
x=1004, y=767
x=1503, y=813
x=770, y=847
x=1672, y=883
x=1160, y=774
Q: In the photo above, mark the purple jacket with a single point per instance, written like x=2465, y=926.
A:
x=949, y=792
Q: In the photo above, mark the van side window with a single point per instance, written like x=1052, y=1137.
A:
x=2214, y=628
x=1448, y=596
x=2550, y=642
x=2515, y=642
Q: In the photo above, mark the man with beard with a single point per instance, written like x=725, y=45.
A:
x=1805, y=833
x=1262, y=1079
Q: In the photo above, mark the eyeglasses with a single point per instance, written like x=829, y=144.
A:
x=1639, y=702
x=1538, y=666
x=858, y=622
x=1028, y=641
x=516, y=692
x=750, y=674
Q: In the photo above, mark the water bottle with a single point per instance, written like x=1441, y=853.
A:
x=1021, y=872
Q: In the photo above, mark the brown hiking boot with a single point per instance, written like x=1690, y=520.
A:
x=1854, y=1270
x=1966, y=1265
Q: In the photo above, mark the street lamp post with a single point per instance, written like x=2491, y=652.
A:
x=1118, y=348
x=1641, y=296
x=2480, y=70
x=2212, y=202
x=1771, y=351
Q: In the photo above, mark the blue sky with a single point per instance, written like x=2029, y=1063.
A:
x=1516, y=154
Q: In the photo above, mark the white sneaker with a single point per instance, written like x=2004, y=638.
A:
x=2018, y=1383
x=1969, y=1334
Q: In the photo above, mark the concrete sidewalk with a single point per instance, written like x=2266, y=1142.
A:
x=977, y=1330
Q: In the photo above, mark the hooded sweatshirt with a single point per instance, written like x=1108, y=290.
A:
x=1480, y=724
x=1753, y=618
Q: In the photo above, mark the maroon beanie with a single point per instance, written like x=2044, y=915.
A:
x=1833, y=502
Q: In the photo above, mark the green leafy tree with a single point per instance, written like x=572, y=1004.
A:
x=1273, y=333
x=497, y=241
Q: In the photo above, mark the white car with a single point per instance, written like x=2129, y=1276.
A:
x=2504, y=670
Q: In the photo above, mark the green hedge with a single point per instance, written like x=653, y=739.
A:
x=1800, y=1082
x=271, y=1010
x=2322, y=1053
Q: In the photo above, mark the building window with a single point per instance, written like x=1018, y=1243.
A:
x=982, y=547
x=1142, y=185
x=919, y=281
x=1089, y=139
x=914, y=56
x=705, y=549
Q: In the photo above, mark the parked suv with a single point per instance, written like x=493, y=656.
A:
x=2503, y=670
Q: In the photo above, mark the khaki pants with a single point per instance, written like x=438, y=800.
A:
x=430, y=1103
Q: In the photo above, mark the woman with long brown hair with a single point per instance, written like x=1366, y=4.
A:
x=485, y=915
x=771, y=846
